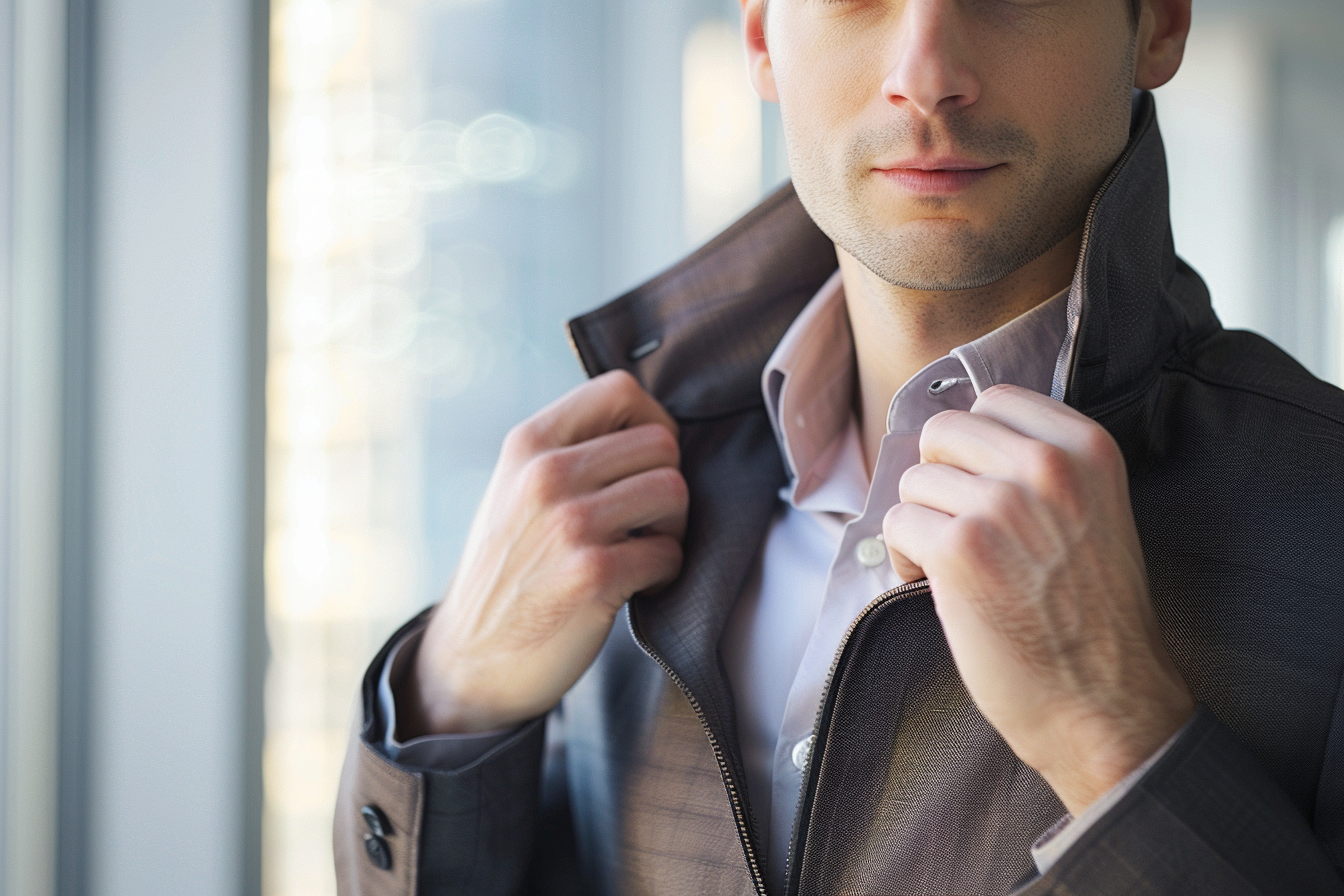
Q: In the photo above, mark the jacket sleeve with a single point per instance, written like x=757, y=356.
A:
x=1206, y=820
x=400, y=830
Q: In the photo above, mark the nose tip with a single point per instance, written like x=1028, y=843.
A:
x=931, y=71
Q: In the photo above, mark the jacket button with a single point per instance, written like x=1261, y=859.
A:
x=378, y=852
x=871, y=552
x=376, y=820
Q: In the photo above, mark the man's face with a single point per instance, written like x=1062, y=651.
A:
x=946, y=143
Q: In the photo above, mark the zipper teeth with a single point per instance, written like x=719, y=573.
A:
x=1076, y=347
x=739, y=814
x=901, y=592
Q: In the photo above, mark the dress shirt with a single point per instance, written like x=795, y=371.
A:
x=822, y=561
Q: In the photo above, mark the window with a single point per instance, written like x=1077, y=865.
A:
x=449, y=182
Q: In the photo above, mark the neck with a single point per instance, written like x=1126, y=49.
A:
x=899, y=331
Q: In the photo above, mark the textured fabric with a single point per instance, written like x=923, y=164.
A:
x=1051, y=845
x=1205, y=820
x=784, y=630
x=1236, y=461
x=944, y=805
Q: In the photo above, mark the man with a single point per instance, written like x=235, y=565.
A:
x=986, y=563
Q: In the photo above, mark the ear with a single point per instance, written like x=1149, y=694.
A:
x=758, y=54
x=1163, y=27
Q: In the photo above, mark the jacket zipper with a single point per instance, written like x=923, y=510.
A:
x=823, y=721
x=1077, y=342
x=744, y=832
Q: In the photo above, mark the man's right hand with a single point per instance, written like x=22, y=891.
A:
x=585, y=508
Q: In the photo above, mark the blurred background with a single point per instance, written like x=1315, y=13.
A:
x=277, y=278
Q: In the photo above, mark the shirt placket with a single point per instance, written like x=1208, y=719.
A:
x=860, y=571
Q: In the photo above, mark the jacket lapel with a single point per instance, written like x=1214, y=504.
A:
x=697, y=337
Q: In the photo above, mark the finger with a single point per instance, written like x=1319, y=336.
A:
x=1042, y=418
x=607, y=403
x=609, y=458
x=974, y=443
x=912, y=533
x=654, y=501
x=948, y=489
x=639, y=564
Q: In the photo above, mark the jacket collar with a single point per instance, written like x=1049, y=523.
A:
x=698, y=336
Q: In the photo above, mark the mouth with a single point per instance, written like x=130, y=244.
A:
x=945, y=176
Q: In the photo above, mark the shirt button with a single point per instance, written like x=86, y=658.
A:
x=801, y=751
x=871, y=551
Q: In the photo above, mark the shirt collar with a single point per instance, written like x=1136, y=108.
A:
x=808, y=383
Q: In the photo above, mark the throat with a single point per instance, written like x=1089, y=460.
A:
x=899, y=331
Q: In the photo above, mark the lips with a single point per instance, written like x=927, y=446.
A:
x=935, y=177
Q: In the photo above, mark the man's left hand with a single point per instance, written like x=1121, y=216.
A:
x=1019, y=515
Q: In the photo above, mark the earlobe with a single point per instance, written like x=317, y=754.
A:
x=1163, y=28
x=758, y=54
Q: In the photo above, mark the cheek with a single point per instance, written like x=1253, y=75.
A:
x=1077, y=106
x=825, y=80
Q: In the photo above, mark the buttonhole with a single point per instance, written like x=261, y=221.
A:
x=647, y=348
x=938, y=387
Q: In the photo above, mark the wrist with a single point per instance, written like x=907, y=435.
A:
x=428, y=703
x=1098, y=753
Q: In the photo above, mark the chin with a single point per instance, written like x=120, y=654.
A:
x=929, y=255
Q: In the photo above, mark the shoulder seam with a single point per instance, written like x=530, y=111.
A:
x=1186, y=369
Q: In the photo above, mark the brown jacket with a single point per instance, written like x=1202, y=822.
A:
x=634, y=785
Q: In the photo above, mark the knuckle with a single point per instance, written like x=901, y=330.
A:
x=575, y=520
x=523, y=439
x=1005, y=498
x=910, y=481
x=672, y=484
x=666, y=444
x=995, y=393
x=969, y=536
x=1048, y=467
x=1100, y=448
x=593, y=571
x=935, y=425
x=545, y=477
x=937, y=430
